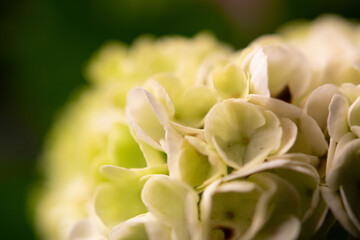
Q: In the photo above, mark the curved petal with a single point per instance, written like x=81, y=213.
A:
x=354, y=113
x=144, y=226
x=230, y=82
x=288, y=137
x=337, y=120
x=173, y=203
x=146, y=116
x=310, y=139
x=317, y=104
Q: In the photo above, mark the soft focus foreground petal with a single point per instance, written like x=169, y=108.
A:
x=271, y=200
x=334, y=202
x=173, y=203
x=350, y=194
x=310, y=139
x=272, y=211
x=310, y=159
x=312, y=224
x=119, y=199
x=228, y=209
x=351, y=91
x=345, y=166
x=337, y=120
x=85, y=230
x=317, y=104
x=141, y=227
x=287, y=227
x=123, y=150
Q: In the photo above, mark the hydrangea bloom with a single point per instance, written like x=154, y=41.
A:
x=184, y=139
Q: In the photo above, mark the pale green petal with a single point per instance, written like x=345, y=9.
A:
x=317, y=104
x=198, y=165
x=230, y=82
x=123, y=150
x=337, y=120
x=173, y=203
x=242, y=132
x=161, y=93
x=192, y=107
x=146, y=116
x=119, y=199
x=153, y=156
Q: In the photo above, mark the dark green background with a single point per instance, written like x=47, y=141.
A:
x=44, y=46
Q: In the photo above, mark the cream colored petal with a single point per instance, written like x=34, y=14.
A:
x=288, y=137
x=355, y=130
x=337, y=120
x=310, y=138
x=85, y=230
x=317, y=104
x=354, y=113
x=287, y=66
x=351, y=91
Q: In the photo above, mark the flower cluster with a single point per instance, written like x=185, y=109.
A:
x=187, y=139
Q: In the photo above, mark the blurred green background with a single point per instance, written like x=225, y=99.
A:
x=45, y=44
